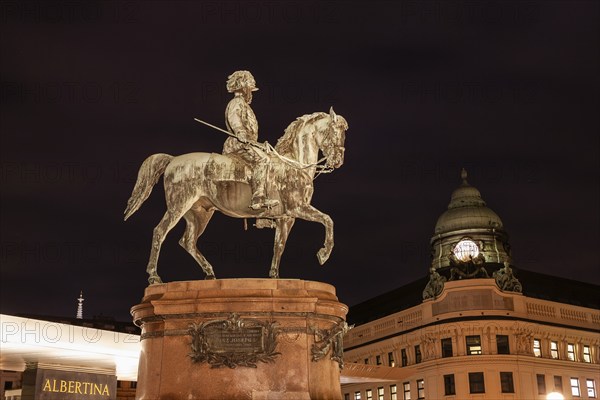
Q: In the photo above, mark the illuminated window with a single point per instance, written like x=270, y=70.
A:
x=447, y=347
x=575, y=387
x=476, y=383
x=420, y=389
x=356, y=395
x=391, y=361
x=571, y=352
x=537, y=347
x=369, y=394
x=558, y=384
x=449, y=387
x=417, y=354
x=378, y=360
x=404, y=358
x=541, y=383
x=502, y=344
x=473, y=345
x=554, y=349
x=586, y=354
x=393, y=392
x=380, y=393
x=406, y=391
x=506, y=382
x=591, y=388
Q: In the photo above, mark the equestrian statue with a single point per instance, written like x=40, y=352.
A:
x=249, y=180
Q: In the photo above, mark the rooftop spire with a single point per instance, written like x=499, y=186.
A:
x=463, y=176
x=80, y=306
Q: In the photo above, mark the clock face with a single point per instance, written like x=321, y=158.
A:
x=466, y=250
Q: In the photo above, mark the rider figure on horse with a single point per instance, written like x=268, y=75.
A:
x=241, y=121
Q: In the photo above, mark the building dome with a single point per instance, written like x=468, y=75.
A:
x=467, y=210
x=469, y=218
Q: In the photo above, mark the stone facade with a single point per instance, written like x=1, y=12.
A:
x=474, y=331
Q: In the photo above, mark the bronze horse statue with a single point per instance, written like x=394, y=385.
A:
x=198, y=184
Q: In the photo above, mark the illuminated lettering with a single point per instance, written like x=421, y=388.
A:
x=75, y=387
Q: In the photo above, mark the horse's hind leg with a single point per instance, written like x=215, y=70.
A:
x=197, y=218
x=167, y=223
x=282, y=231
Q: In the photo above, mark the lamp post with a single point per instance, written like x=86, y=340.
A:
x=555, y=396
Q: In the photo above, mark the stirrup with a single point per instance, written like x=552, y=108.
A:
x=264, y=203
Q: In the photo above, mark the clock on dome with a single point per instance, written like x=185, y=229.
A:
x=466, y=250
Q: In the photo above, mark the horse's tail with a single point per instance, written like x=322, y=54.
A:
x=152, y=168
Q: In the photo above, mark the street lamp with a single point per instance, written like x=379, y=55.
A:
x=555, y=396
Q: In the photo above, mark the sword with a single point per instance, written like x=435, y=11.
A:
x=250, y=142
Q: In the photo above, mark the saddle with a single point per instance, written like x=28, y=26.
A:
x=228, y=168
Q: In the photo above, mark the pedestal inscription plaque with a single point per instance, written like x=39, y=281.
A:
x=234, y=342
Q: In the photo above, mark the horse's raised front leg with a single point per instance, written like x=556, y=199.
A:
x=309, y=213
x=168, y=221
x=197, y=219
x=282, y=230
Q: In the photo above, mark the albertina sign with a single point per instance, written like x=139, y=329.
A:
x=49, y=384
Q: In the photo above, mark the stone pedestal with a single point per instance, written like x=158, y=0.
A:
x=240, y=339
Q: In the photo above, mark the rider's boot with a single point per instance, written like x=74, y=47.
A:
x=259, y=200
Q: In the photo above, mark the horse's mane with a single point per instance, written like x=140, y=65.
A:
x=284, y=144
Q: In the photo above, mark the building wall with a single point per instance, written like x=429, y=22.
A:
x=477, y=308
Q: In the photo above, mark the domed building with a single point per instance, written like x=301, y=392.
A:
x=476, y=327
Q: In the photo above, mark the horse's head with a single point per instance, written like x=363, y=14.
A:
x=332, y=141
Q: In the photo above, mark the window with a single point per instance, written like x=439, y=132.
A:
x=558, y=384
x=393, y=392
x=571, y=352
x=476, y=383
x=366, y=360
x=380, y=393
x=391, y=361
x=378, y=360
x=356, y=395
x=502, y=344
x=575, y=387
x=449, y=387
x=591, y=388
x=369, y=394
x=420, y=389
x=473, y=345
x=554, y=349
x=506, y=382
x=404, y=358
x=133, y=385
x=537, y=347
x=541, y=383
x=447, y=347
x=417, y=354
x=346, y=396
x=406, y=388
x=586, y=354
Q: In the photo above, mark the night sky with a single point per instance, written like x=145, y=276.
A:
x=508, y=90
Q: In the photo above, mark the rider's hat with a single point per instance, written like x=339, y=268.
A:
x=239, y=80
